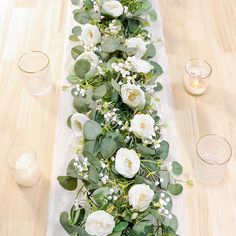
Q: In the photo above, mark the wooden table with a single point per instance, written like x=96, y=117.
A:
x=193, y=29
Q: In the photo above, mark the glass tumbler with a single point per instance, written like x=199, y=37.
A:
x=213, y=155
x=24, y=166
x=35, y=71
x=197, y=76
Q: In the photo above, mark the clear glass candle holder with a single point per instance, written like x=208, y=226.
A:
x=197, y=76
x=24, y=166
x=35, y=72
x=213, y=155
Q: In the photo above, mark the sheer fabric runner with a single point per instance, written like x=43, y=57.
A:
x=61, y=200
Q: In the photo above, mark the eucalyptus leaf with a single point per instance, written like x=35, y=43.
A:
x=99, y=92
x=163, y=151
x=82, y=17
x=158, y=87
x=73, y=79
x=157, y=71
x=111, y=44
x=152, y=15
x=164, y=174
x=115, y=85
x=177, y=169
x=175, y=189
x=76, y=51
x=91, y=130
x=100, y=195
x=77, y=30
x=121, y=226
x=81, y=68
x=108, y=147
x=67, y=182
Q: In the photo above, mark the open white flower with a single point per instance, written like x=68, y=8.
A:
x=113, y=8
x=91, y=57
x=99, y=223
x=140, y=197
x=77, y=123
x=127, y=162
x=133, y=96
x=143, y=126
x=91, y=34
x=142, y=66
x=139, y=45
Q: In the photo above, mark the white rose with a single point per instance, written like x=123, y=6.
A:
x=143, y=126
x=90, y=57
x=133, y=96
x=99, y=223
x=91, y=34
x=77, y=123
x=127, y=162
x=113, y=8
x=139, y=45
x=140, y=197
x=142, y=66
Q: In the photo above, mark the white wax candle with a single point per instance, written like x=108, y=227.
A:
x=27, y=172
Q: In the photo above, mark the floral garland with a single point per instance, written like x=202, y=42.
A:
x=119, y=151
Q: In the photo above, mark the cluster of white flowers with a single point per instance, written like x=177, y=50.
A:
x=127, y=13
x=113, y=194
x=163, y=201
x=80, y=91
x=133, y=64
x=103, y=177
x=113, y=29
x=81, y=164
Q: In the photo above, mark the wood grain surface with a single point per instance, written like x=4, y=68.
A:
x=202, y=29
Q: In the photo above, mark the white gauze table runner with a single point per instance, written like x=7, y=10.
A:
x=62, y=200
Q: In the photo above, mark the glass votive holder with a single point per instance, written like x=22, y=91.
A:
x=213, y=155
x=35, y=71
x=24, y=166
x=197, y=76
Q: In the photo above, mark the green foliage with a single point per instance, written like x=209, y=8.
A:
x=76, y=51
x=81, y=68
x=177, y=169
x=77, y=30
x=91, y=130
x=67, y=182
x=175, y=189
x=163, y=151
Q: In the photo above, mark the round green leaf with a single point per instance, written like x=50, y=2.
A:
x=76, y=30
x=177, y=169
x=108, y=147
x=81, y=68
x=73, y=79
x=91, y=130
x=175, y=189
x=67, y=182
x=99, y=92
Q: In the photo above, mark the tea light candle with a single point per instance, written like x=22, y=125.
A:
x=24, y=166
x=197, y=76
x=27, y=172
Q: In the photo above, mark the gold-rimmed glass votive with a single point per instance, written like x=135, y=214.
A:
x=35, y=72
x=213, y=154
x=24, y=166
x=197, y=76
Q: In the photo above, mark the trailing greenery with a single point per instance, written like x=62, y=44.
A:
x=104, y=66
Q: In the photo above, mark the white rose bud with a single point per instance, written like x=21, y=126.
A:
x=140, y=197
x=113, y=8
x=127, y=162
x=143, y=126
x=139, y=45
x=133, y=96
x=77, y=123
x=91, y=57
x=142, y=66
x=91, y=34
x=99, y=223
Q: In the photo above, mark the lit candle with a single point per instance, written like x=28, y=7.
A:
x=197, y=76
x=24, y=167
x=27, y=172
